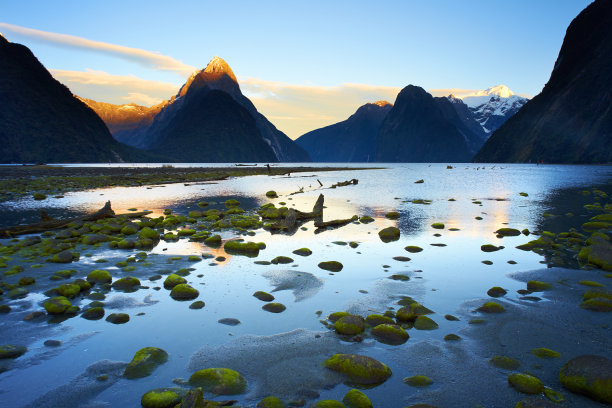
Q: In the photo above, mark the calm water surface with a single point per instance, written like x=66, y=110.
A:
x=442, y=278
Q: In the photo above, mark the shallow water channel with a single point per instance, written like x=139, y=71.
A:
x=280, y=354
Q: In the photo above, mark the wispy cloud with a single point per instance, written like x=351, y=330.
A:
x=105, y=87
x=147, y=58
x=297, y=109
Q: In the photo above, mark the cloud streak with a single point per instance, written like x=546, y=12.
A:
x=146, y=58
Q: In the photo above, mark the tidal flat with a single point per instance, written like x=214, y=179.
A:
x=416, y=293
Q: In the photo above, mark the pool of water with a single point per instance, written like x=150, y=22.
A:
x=441, y=277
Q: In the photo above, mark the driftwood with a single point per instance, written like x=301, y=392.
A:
x=335, y=223
x=345, y=183
x=47, y=223
x=294, y=217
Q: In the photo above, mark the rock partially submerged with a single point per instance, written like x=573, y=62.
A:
x=220, y=381
x=145, y=361
x=589, y=375
x=359, y=369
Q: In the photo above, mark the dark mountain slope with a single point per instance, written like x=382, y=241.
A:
x=351, y=140
x=570, y=121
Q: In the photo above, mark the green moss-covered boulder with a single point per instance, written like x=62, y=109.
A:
x=68, y=290
x=418, y=381
x=17, y=293
x=183, y=291
x=145, y=361
x=163, y=397
x=172, y=280
x=126, y=244
x=491, y=307
x=413, y=249
x=93, y=313
x=270, y=402
x=349, y=325
x=543, y=352
x=507, y=363
x=220, y=381
x=127, y=284
x=366, y=219
x=425, y=323
x=490, y=248
x=496, y=291
x=328, y=404
x=332, y=266
x=274, y=307
x=241, y=248
x=589, y=375
x=263, y=296
x=356, y=399
x=129, y=229
x=358, y=368
x=392, y=215
x=232, y=203
x=271, y=194
x=11, y=351
x=334, y=317
x=389, y=234
x=303, y=252
x=99, y=276
x=374, y=320
x=118, y=318
x=437, y=225
x=451, y=337
x=281, y=260
x=538, y=286
x=508, y=232
x=63, y=257
x=390, y=334
x=213, y=241
x=149, y=233
x=525, y=383
x=198, y=304
x=57, y=305
x=410, y=312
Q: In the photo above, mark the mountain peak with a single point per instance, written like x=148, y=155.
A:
x=217, y=67
x=3, y=39
x=382, y=104
x=499, y=90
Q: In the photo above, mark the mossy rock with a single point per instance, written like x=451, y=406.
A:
x=356, y=399
x=129, y=229
x=496, y=291
x=242, y=248
x=490, y=248
x=281, y=260
x=126, y=244
x=591, y=284
x=543, y=352
x=83, y=284
x=39, y=196
x=392, y=215
x=413, y=249
x=334, y=317
x=589, y=375
x=525, y=383
x=538, y=286
x=303, y=252
x=195, y=214
x=508, y=232
x=418, y=381
x=93, y=313
x=11, y=351
x=553, y=395
x=163, y=398
x=359, y=369
x=99, y=276
x=149, y=233
x=349, y=325
x=213, y=241
x=220, y=381
x=63, y=257
x=437, y=225
x=366, y=219
x=597, y=304
x=328, y=404
x=274, y=307
x=127, y=284
x=332, y=266
x=172, y=280
x=451, y=337
x=425, y=323
x=183, y=291
x=118, y=318
x=491, y=307
x=263, y=296
x=389, y=234
x=410, y=312
x=271, y=194
x=145, y=361
x=390, y=334
x=198, y=304
x=374, y=320
x=68, y=290
x=270, y=402
x=232, y=203
x=507, y=363
x=57, y=305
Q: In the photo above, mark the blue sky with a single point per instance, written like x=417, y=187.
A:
x=282, y=50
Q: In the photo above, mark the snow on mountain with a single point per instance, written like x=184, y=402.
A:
x=492, y=107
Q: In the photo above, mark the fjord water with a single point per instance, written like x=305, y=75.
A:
x=441, y=277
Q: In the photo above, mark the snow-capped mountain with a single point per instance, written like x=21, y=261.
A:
x=493, y=106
